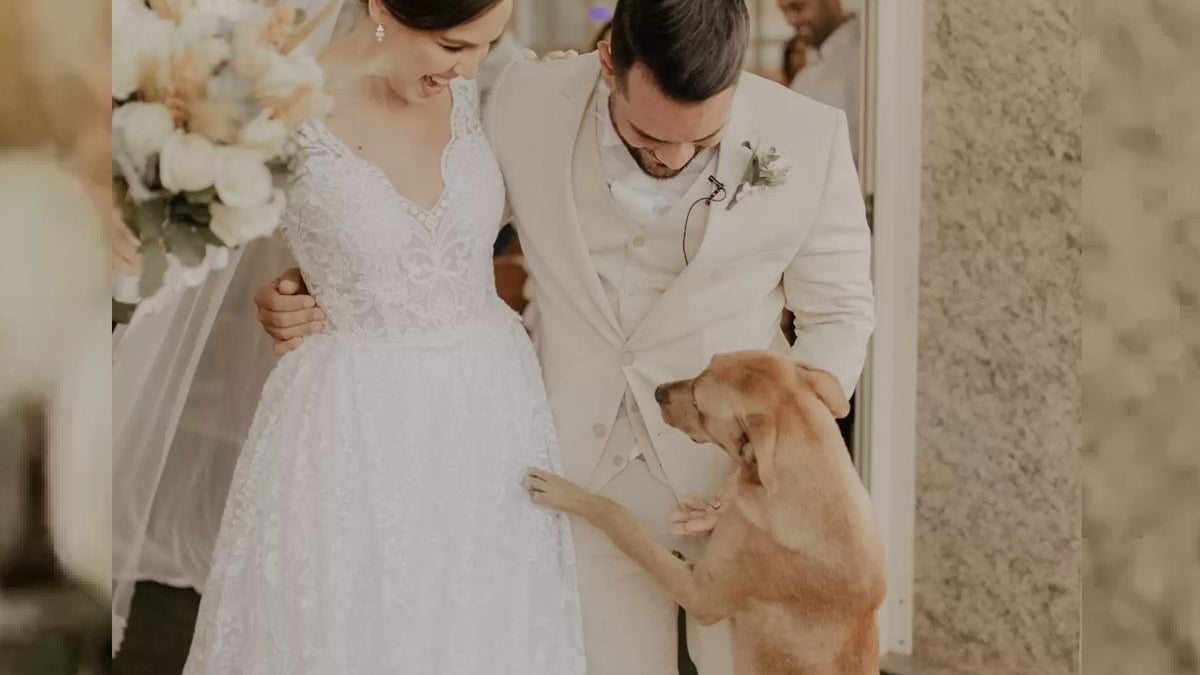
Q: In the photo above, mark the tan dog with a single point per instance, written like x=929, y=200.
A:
x=796, y=559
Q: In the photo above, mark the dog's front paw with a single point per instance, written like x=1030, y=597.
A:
x=556, y=492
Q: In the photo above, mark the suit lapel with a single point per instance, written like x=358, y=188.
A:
x=563, y=132
x=732, y=160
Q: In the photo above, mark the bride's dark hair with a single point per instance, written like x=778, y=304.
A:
x=435, y=14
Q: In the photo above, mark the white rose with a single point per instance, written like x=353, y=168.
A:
x=243, y=181
x=198, y=26
x=264, y=135
x=157, y=42
x=123, y=9
x=145, y=128
x=127, y=16
x=172, y=9
x=212, y=53
x=237, y=226
x=177, y=277
x=286, y=74
x=216, y=258
x=250, y=55
x=188, y=163
x=199, y=33
x=142, y=44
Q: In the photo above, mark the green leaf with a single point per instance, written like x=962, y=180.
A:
x=207, y=236
x=122, y=312
x=186, y=244
x=746, y=145
x=193, y=214
x=154, y=269
x=301, y=17
x=148, y=218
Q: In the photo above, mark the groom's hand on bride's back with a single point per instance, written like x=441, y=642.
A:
x=287, y=312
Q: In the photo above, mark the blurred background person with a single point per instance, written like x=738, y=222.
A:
x=795, y=55
x=602, y=16
x=55, y=461
x=831, y=70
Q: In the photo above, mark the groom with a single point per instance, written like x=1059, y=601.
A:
x=610, y=161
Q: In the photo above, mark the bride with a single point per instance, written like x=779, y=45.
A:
x=375, y=521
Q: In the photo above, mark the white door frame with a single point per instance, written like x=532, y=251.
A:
x=886, y=432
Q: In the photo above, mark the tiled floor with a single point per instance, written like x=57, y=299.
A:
x=160, y=631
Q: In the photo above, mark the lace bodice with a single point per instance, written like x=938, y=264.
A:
x=379, y=265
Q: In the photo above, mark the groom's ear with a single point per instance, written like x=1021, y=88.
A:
x=604, y=49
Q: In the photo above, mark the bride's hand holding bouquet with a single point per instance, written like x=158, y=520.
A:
x=204, y=109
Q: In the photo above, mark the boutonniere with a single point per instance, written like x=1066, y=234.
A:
x=765, y=170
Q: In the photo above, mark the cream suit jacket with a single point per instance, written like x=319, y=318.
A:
x=804, y=245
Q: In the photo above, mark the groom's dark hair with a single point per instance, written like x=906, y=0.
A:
x=694, y=48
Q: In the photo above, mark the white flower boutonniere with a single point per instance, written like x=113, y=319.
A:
x=765, y=170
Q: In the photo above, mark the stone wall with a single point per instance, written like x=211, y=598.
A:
x=999, y=402
x=1142, y=338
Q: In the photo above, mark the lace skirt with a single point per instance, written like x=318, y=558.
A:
x=377, y=523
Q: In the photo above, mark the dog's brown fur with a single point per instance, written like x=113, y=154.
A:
x=796, y=561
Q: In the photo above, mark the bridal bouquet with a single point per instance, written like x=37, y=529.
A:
x=204, y=109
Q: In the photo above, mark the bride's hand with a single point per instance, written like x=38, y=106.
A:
x=287, y=312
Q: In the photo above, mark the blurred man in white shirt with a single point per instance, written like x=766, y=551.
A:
x=832, y=73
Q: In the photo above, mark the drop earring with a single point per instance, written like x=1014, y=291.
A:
x=379, y=32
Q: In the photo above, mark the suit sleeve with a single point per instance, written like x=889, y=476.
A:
x=828, y=284
x=493, y=123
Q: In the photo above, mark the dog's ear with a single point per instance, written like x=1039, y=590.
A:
x=761, y=434
x=827, y=388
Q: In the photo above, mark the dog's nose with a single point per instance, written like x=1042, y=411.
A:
x=660, y=394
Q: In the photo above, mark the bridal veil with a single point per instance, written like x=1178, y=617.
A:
x=186, y=383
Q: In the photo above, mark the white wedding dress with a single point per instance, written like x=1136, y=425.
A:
x=377, y=523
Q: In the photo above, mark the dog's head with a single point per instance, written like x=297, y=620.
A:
x=737, y=402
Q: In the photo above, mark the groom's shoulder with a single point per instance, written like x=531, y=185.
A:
x=775, y=104
x=532, y=77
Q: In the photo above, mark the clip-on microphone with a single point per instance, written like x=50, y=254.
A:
x=718, y=194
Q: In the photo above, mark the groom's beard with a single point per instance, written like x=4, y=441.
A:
x=644, y=158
